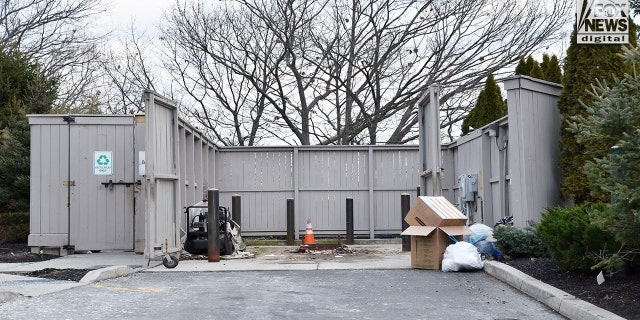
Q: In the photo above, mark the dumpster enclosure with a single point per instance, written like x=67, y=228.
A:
x=121, y=182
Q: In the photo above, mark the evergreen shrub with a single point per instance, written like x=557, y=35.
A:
x=516, y=242
x=14, y=227
x=572, y=237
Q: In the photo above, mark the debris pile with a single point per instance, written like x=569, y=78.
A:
x=188, y=256
x=184, y=255
x=324, y=249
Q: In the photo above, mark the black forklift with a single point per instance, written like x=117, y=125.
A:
x=197, y=240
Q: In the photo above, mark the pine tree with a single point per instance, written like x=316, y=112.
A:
x=548, y=69
x=613, y=119
x=489, y=107
x=544, y=65
x=536, y=71
x=530, y=64
x=585, y=63
x=521, y=68
x=552, y=71
x=23, y=90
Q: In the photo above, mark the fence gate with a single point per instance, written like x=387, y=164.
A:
x=162, y=199
x=102, y=186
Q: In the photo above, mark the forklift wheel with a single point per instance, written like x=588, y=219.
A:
x=170, y=261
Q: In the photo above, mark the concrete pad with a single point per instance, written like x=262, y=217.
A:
x=31, y=287
x=106, y=264
x=236, y=265
x=8, y=266
x=400, y=261
x=275, y=262
x=84, y=261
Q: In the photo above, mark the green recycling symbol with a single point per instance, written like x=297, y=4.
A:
x=103, y=160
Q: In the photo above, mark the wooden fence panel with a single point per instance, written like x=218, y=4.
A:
x=326, y=176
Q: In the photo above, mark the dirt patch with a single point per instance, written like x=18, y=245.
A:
x=20, y=252
x=58, y=274
x=320, y=253
x=341, y=253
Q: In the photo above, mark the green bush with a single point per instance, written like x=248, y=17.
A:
x=572, y=237
x=14, y=227
x=516, y=242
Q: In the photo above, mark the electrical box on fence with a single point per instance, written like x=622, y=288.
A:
x=468, y=187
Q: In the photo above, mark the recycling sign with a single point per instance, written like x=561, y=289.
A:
x=102, y=163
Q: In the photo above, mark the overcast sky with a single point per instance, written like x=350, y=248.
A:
x=144, y=13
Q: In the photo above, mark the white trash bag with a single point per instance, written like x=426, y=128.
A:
x=236, y=239
x=461, y=256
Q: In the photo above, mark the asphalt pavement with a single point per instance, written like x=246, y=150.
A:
x=113, y=264
x=309, y=295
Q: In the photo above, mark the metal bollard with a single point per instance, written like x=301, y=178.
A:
x=236, y=213
x=404, y=209
x=213, y=228
x=349, y=221
x=291, y=222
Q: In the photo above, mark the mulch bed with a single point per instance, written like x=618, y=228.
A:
x=20, y=252
x=58, y=274
x=619, y=294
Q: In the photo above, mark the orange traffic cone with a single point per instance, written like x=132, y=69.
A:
x=308, y=237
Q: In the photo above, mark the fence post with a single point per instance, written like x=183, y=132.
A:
x=213, y=227
x=290, y=222
x=404, y=209
x=236, y=213
x=349, y=220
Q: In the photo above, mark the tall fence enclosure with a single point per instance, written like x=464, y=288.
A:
x=122, y=182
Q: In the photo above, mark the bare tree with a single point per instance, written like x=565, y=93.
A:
x=219, y=59
x=403, y=47
x=345, y=71
x=130, y=66
x=57, y=35
x=246, y=67
x=293, y=23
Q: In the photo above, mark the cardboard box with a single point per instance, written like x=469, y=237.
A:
x=432, y=220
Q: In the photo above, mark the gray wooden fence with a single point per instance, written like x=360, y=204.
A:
x=514, y=158
x=320, y=179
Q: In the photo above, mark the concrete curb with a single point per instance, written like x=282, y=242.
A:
x=106, y=273
x=556, y=299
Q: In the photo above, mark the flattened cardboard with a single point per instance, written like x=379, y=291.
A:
x=426, y=230
x=435, y=212
x=457, y=230
x=418, y=231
